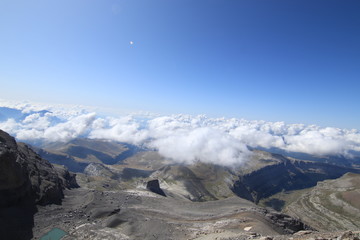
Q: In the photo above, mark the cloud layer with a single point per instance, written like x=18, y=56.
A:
x=183, y=138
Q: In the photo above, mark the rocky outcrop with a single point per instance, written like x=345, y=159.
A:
x=183, y=181
x=289, y=224
x=67, y=178
x=99, y=170
x=25, y=177
x=26, y=180
x=154, y=187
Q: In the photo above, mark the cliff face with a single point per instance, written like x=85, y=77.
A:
x=27, y=178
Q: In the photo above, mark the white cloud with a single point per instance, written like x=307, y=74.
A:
x=36, y=121
x=322, y=141
x=124, y=129
x=47, y=122
x=183, y=138
x=201, y=144
x=10, y=126
x=73, y=128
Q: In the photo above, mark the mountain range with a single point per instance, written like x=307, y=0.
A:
x=121, y=191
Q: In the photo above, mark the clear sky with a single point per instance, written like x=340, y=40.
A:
x=296, y=61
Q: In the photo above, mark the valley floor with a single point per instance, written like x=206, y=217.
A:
x=139, y=214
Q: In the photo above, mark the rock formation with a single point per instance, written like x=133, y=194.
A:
x=25, y=181
x=24, y=176
x=154, y=187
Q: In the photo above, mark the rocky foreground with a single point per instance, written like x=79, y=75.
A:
x=140, y=214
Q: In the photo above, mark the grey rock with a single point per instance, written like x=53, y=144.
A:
x=26, y=177
x=154, y=187
x=26, y=180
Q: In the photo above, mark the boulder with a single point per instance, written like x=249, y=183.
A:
x=154, y=187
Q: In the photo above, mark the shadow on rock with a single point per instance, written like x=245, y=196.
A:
x=17, y=222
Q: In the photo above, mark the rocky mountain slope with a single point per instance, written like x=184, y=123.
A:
x=146, y=196
x=264, y=175
x=286, y=175
x=26, y=180
x=78, y=153
x=333, y=205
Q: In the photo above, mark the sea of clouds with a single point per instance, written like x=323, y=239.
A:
x=184, y=138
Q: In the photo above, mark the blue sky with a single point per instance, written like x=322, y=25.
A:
x=295, y=61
